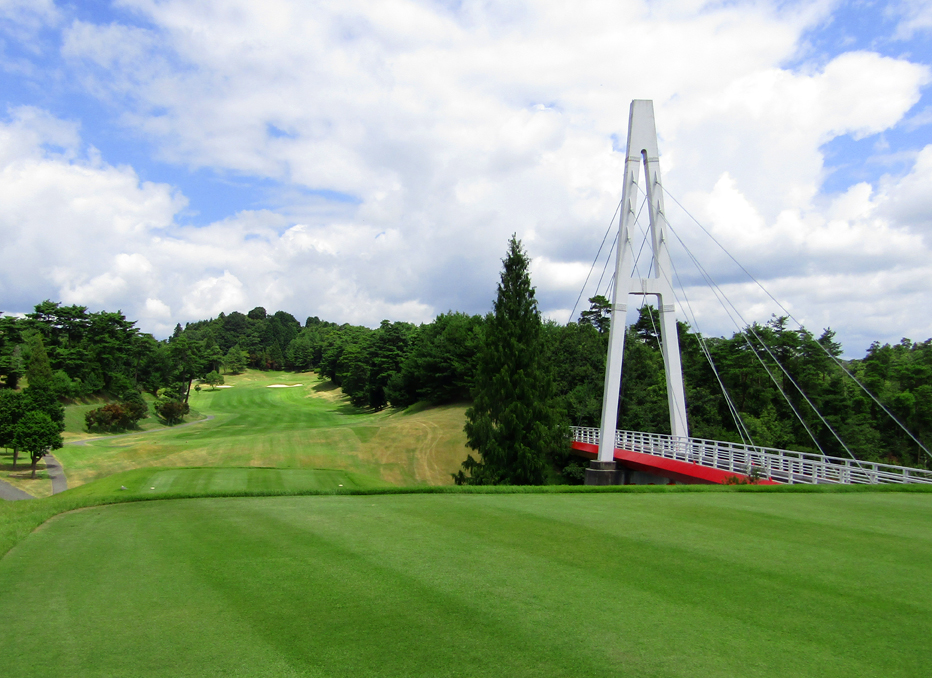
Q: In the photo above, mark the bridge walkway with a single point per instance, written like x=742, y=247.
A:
x=711, y=461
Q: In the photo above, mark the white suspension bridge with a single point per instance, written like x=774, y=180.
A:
x=630, y=456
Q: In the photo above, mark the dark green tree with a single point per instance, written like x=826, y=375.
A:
x=38, y=368
x=188, y=360
x=213, y=379
x=13, y=406
x=441, y=364
x=599, y=314
x=515, y=422
x=11, y=362
x=579, y=361
x=388, y=348
x=37, y=434
x=235, y=360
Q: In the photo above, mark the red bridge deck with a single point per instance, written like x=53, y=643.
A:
x=680, y=471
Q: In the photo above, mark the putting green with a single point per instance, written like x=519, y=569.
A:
x=676, y=584
x=310, y=426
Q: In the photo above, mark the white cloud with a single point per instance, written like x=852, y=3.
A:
x=449, y=128
x=28, y=15
x=156, y=308
x=915, y=16
x=76, y=229
x=909, y=202
x=208, y=297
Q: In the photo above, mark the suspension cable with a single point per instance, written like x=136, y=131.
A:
x=793, y=318
x=608, y=287
x=604, y=238
x=718, y=291
x=754, y=351
x=611, y=249
x=659, y=335
x=703, y=346
x=733, y=410
x=750, y=329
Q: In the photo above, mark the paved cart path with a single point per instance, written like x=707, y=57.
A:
x=56, y=474
x=11, y=493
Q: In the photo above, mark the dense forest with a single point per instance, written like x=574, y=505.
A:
x=398, y=364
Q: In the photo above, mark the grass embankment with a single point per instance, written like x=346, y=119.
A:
x=306, y=427
x=654, y=582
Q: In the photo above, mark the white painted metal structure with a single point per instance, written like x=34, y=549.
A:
x=642, y=150
x=782, y=466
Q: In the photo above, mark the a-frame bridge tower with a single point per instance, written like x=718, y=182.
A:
x=643, y=159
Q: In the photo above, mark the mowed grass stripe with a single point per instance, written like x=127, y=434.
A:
x=188, y=481
x=684, y=584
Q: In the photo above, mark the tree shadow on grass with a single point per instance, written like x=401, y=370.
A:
x=25, y=473
x=349, y=409
x=22, y=464
x=324, y=387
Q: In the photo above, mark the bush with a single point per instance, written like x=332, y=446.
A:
x=172, y=411
x=106, y=418
x=118, y=416
x=135, y=408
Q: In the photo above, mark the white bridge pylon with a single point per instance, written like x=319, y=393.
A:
x=642, y=151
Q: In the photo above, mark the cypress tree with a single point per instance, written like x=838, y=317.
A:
x=38, y=368
x=514, y=423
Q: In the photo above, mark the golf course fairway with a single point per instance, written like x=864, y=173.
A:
x=624, y=584
x=280, y=420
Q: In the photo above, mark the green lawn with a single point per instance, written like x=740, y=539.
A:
x=174, y=482
x=309, y=426
x=628, y=584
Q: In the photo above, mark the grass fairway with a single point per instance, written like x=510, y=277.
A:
x=309, y=426
x=151, y=483
x=649, y=584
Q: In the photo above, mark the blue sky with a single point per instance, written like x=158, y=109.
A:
x=870, y=26
x=360, y=161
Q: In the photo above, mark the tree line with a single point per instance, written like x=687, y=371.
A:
x=494, y=361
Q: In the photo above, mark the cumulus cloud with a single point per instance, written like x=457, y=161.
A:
x=65, y=213
x=438, y=130
x=79, y=230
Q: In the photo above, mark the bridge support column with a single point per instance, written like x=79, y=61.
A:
x=604, y=473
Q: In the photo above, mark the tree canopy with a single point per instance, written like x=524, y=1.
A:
x=65, y=352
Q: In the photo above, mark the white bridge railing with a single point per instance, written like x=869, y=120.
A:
x=782, y=466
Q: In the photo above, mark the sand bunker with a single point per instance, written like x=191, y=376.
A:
x=224, y=386
x=282, y=385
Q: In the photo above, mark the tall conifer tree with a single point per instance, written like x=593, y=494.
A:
x=38, y=369
x=515, y=421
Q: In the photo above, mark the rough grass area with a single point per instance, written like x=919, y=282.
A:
x=307, y=427
x=647, y=583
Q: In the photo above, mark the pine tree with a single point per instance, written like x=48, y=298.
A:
x=514, y=423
